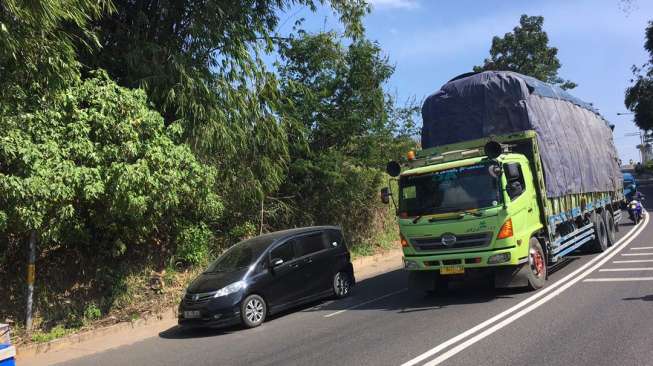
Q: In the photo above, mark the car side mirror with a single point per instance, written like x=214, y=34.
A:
x=385, y=195
x=276, y=262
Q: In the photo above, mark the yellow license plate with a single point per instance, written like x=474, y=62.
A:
x=452, y=270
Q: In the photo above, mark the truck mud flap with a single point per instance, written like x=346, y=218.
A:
x=511, y=277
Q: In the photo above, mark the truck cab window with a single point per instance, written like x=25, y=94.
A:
x=515, y=180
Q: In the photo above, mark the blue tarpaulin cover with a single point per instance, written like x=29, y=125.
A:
x=575, y=141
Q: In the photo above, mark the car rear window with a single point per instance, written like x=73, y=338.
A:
x=310, y=244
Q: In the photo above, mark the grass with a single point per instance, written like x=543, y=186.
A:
x=59, y=331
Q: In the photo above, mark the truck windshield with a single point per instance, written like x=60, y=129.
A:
x=450, y=190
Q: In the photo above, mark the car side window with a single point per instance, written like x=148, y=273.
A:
x=310, y=244
x=284, y=251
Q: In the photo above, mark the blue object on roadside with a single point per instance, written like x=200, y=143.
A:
x=7, y=355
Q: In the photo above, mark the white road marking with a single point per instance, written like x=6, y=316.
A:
x=626, y=269
x=635, y=261
x=365, y=302
x=635, y=254
x=640, y=248
x=554, y=289
x=618, y=279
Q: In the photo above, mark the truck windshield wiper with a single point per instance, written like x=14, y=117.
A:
x=473, y=213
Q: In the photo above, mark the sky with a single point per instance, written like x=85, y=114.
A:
x=432, y=41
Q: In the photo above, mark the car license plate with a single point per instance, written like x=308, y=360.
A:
x=192, y=314
x=452, y=270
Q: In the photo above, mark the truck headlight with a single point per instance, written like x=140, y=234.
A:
x=410, y=264
x=228, y=290
x=499, y=258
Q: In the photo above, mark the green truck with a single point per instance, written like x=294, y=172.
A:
x=513, y=175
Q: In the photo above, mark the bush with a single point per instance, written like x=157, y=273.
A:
x=194, y=244
x=107, y=187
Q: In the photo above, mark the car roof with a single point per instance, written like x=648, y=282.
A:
x=269, y=239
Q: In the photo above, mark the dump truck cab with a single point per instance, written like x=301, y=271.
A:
x=467, y=216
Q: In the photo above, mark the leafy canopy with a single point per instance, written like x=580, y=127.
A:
x=94, y=166
x=346, y=127
x=526, y=50
x=639, y=96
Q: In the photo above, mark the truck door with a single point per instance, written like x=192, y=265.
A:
x=522, y=198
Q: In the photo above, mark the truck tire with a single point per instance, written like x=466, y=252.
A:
x=536, y=264
x=600, y=242
x=610, y=226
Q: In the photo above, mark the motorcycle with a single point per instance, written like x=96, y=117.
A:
x=635, y=211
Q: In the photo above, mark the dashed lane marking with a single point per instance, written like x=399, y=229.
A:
x=635, y=254
x=618, y=279
x=640, y=248
x=634, y=261
x=626, y=269
x=365, y=302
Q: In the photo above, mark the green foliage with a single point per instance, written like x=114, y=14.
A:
x=199, y=64
x=526, y=50
x=346, y=127
x=639, y=96
x=194, y=244
x=92, y=312
x=37, y=39
x=107, y=186
x=54, y=333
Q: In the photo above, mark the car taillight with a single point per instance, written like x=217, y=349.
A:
x=404, y=242
x=506, y=230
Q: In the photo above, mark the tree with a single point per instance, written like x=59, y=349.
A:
x=526, y=50
x=199, y=64
x=94, y=175
x=346, y=128
x=639, y=96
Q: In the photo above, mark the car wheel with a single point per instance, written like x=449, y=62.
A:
x=253, y=311
x=536, y=264
x=341, y=284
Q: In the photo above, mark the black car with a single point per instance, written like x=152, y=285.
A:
x=268, y=274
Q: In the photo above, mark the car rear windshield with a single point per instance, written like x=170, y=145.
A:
x=241, y=255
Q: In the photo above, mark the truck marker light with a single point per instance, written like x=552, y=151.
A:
x=506, y=230
x=404, y=242
x=411, y=155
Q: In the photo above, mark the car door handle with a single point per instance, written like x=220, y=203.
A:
x=530, y=209
x=308, y=260
x=294, y=265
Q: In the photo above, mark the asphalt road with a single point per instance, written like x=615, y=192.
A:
x=596, y=310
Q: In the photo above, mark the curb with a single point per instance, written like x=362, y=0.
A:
x=364, y=267
x=34, y=349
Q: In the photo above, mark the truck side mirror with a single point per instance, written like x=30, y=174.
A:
x=393, y=169
x=385, y=195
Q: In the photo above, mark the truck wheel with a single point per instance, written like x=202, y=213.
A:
x=600, y=242
x=610, y=226
x=537, y=265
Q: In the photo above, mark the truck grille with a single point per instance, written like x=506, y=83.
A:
x=194, y=299
x=462, y=241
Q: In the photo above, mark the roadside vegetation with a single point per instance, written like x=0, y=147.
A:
x=140, y=140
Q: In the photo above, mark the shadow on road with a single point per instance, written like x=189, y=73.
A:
x=177, y=332
x=643, y=298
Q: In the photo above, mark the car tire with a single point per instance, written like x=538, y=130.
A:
x=342, y=285
x=253, y=311
x=536, y=265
